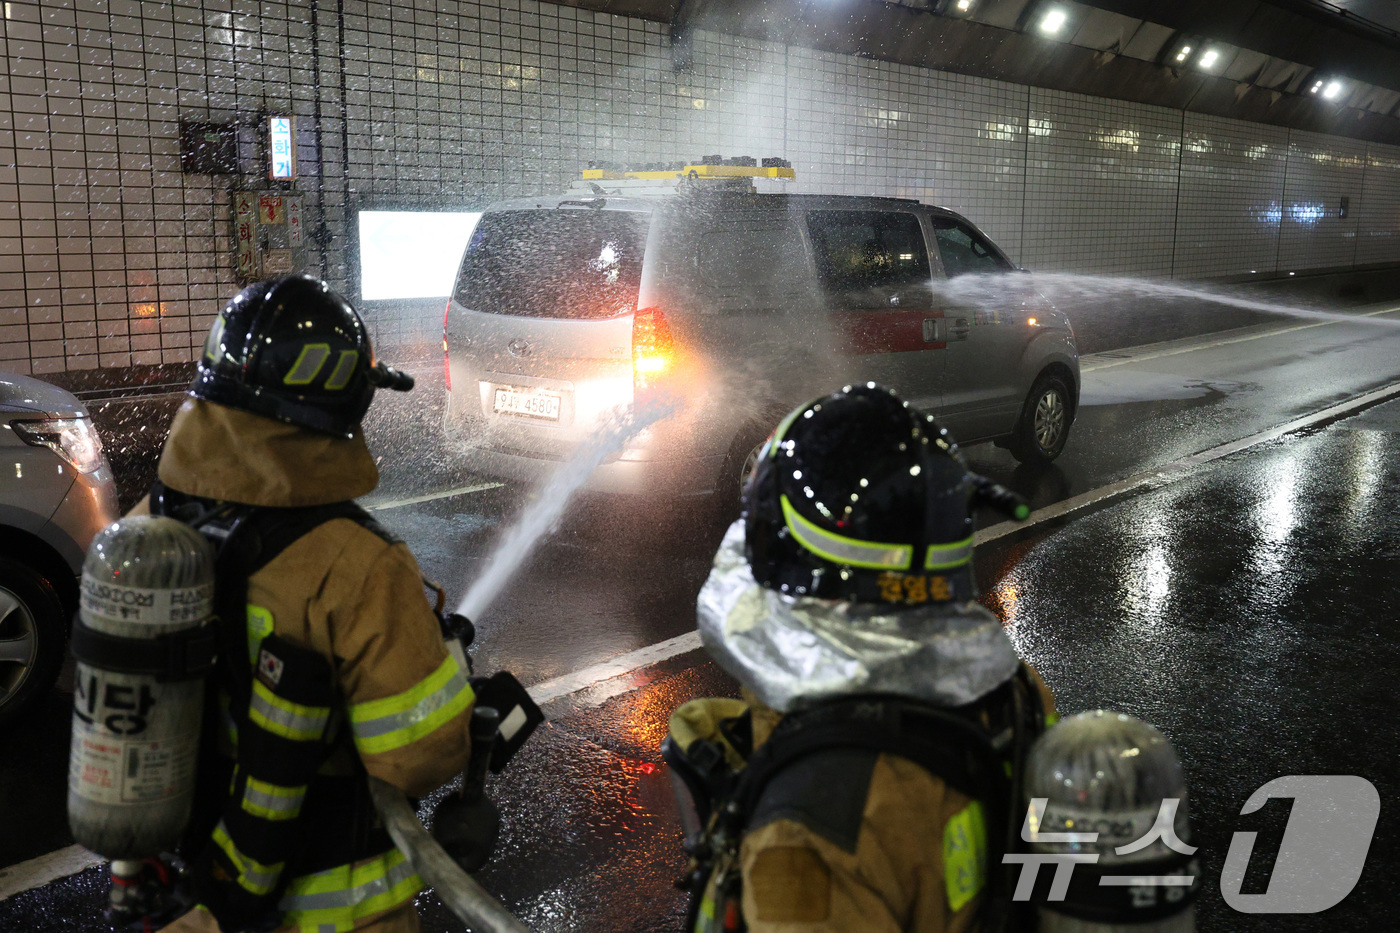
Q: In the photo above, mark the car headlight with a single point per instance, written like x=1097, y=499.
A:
x=73, y=439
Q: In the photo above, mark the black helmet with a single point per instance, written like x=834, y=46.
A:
x=857, y=496
x=293, y=350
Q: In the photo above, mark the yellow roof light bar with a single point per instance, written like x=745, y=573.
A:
x=713, y=167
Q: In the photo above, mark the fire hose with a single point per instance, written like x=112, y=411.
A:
x=481, y=912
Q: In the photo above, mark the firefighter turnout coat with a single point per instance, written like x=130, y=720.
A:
x=402, y=701
x=847, y=840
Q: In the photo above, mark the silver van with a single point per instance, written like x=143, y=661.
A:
x=56, y=493
x=744, y=305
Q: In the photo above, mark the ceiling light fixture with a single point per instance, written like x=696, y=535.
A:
x=1209, y=57
x=1054, y=21
x=1332, y=91
x=1184, y=53
x=964, y=5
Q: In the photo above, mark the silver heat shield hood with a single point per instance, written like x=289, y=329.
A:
x=796, y=650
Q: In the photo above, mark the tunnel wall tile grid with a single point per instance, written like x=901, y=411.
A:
x=110, y=256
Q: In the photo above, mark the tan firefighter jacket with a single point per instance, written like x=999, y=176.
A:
x=359, y=601
x=849, y=842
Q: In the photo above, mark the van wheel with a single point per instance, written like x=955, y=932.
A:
x=738, y=464
x=1043, y=428
x=32, y=635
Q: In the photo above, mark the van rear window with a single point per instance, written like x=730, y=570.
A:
x=579, y=264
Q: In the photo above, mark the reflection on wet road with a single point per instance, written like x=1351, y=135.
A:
x=1245, y=609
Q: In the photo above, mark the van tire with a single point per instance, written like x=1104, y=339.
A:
x=726, y=501
x=32, y=623
x=1043, y=428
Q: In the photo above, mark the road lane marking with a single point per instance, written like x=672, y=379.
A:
x=1157, y=476
x=579, y=680
x=47, y=868
x=1098, y=361
x=1180, y=468
x=430, y=497
x=36, y=872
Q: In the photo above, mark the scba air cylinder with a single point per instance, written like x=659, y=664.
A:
x=144, y=642
x=1108, y=795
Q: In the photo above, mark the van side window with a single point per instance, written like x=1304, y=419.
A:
x=747, y=263
x=964, y=249
x=869, y=259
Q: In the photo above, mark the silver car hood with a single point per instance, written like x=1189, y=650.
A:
x=795, y=650
x=24, y=394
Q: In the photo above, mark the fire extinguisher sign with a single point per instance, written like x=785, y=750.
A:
x=281, y=148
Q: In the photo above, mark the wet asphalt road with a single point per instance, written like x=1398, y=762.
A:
x=1246, y=610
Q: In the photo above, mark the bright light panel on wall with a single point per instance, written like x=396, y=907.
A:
x=1053, y=21
x=1209, y=57
x=964, y=5
x=412, y=254
x=1332, y=91
x=1183, y=53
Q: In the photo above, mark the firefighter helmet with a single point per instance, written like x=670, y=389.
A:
x=857, y=496
x=293, y=350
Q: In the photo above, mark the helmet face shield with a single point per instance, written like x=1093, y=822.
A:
x=859, y=497
x=293, y=350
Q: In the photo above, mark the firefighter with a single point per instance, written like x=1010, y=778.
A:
x=332, y=664
x=867, y=781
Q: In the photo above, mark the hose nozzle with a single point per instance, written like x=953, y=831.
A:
x=384, y=376
x=997, y=496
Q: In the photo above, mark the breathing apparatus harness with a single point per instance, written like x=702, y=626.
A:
x=978, y=749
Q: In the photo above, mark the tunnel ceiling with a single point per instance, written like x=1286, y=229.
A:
x=1329, y=67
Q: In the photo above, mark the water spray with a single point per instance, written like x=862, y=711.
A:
x=1063, y=289
x=543, y=515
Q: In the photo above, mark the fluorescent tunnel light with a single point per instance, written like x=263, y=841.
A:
x=1054, y=20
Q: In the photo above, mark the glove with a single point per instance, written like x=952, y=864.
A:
x=467, y=829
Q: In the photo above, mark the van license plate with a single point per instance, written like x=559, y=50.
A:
x=531, y=404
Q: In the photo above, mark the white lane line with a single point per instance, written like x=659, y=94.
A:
x=55, y=865
x=1159, y=476
x=614, y=667
x=1177, y=469
x=19, y=878
x=429, y=497
x=1175, y=348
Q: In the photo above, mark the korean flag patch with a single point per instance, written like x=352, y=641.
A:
x=270, y=667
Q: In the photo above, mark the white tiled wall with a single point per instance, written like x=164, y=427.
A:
x=1378, y=216
x=1231, y=197
x=110, y=256
x=1321, y=171
x=1101, y=183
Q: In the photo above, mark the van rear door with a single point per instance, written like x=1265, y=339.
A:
x=539, y=328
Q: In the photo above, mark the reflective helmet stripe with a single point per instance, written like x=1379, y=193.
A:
x=842, y=550
x=946, y=556
x=782, y=429
x=309, y=362
x=344, y=369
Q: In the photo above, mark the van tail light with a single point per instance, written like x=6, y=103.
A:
x=446, y=361
x=653, y=349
